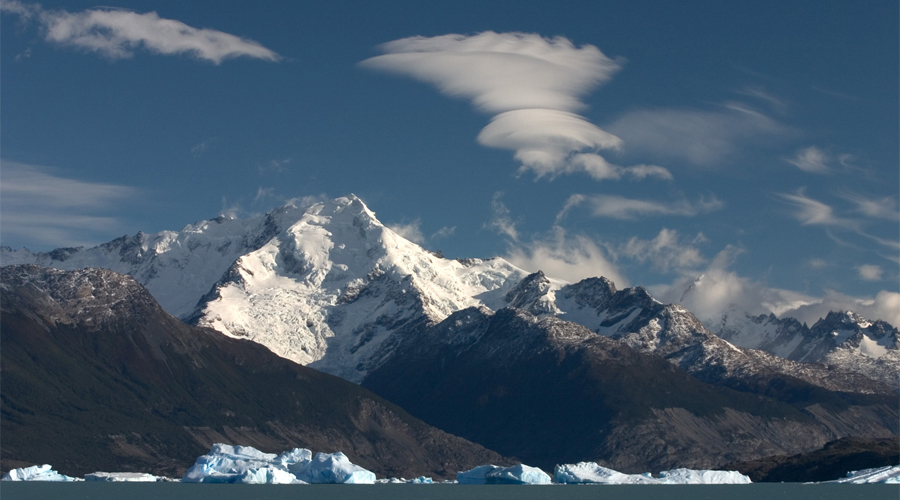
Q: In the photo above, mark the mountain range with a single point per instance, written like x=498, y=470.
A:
x=491, y=352
x=96, y=376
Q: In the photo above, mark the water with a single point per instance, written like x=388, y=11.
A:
x=168, y=491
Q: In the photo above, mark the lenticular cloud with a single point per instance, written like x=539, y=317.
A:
x=533, y=85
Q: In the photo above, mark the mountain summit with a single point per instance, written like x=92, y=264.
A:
x=329, y=286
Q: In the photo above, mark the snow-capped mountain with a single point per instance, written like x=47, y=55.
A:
x=326, y=285
x=634, y=317
x=843, y=340
x=330, y=286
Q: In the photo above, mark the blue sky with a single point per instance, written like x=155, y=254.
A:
x=754, y=143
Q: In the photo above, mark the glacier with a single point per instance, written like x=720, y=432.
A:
x=36, y=473
x=493, y=474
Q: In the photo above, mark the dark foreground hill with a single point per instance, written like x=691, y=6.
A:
x=550, y=391
x=96, y=376
x=833, y=461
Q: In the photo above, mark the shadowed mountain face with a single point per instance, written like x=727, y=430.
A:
x=96, y=376
x=832, y=462
x=550, y=391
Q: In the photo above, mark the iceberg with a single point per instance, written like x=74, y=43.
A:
x=333, y=468
x=244, y=464
x=591, y=473
x=36, y=473
x=888, y=475
x=493, y=474
x=121, y=477
x=689, y=476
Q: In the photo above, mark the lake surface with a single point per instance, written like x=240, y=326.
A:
x=167, y=491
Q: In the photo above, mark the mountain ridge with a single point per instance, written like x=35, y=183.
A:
x=329, y=286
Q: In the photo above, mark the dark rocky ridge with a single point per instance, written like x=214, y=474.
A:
x=96, y=376
x=550, y=391
x=833, y=461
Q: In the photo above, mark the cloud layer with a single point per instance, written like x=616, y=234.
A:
x=54, y=210
x=533, y=87
x=117, y=33
x=619, y=207
x=704, y=138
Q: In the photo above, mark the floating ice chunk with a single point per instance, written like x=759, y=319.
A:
x=241, y=464
x=266, y=475
x=591, y=473
x=36, y=473
x=689, y=476
x=293, y=461
x=492, y=474
x=518, y=474
x=121, y=477
x=889, y=475
x=394, y=480
x=478, y=475
x=334, y=468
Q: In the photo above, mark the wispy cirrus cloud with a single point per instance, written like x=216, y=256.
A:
x=812, y=212
x=532, y=85
x=812, y=160
x=501, y=218
x=116, y=34
x=700, y=137
x=39, y=206
x=619, y=207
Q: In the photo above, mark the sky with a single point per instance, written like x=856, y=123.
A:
x=753, y=143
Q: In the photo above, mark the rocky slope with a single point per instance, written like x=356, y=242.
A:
x=833, y=461
x=550, y=391
x=96, y=376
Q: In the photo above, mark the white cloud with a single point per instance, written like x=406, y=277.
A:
x=411, y=231
x=665, y=252
x=117, y=33
x=878, y=208
x=814, y=212
x=884, y=306
x=703, y=138
x=443, y=232
x=718, y=291
x=870, y=272
x=811, y=160
x=618, y=207
x=533, y=87
x=39, y=206
x=567, y=258
x=501, y=221
x=263, y=193
x=817, y=264
x=501, y=71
